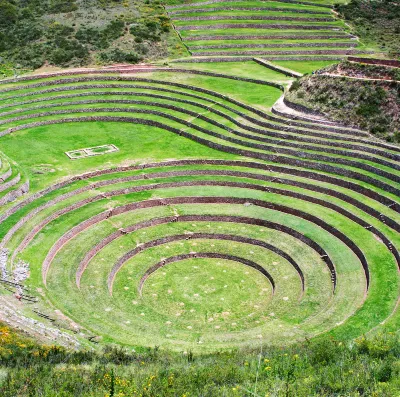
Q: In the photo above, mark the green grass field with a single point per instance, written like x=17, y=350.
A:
x=220, y=222
x=212, y=29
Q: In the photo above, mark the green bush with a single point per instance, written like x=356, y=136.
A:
x=101, y=39
x=8, y=13
x=119, y=56
x=62, y=6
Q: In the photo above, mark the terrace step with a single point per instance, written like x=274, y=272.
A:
x=331, y=210
x=277, y=68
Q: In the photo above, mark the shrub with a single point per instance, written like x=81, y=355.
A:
x=117, y=55
x=354, y=102
x=8, y=13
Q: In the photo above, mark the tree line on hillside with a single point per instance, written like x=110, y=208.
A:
x=31, y=33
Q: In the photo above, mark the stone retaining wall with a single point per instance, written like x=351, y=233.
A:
x=239, y=151
x=257, y=187
x=207, y=200
x=199, y=3
x=307, y=3
x=152, y=203
x=210, y=236
x=5, y=176
x=276, y=149
x=125, y=78
x=203, y=91
x=295, y=117
x=252, y=18
x=195, y=200
x=257, y=26
x=372, y=61
x=208, y=2
x=6, y=185
x=243, y=126
x=14, y=194
x=215, y=255
x=208, y=92
x=276, y=52
x=210, y=183
x=277, y=68
x=216, y=9
x=274, y=45
x=249, y=58
x=185, y=218
x=301, y=108
x=269, y=37
x=237, y=174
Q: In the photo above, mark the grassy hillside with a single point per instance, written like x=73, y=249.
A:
x=356, y=101
x=214, y=31
x=377, y=23
x=82, y=32
x=369, y=367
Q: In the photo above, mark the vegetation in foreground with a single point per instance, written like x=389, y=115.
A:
x=354, y=101
x=365, y=367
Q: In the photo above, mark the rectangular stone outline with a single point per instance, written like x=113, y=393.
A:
x=88, y=152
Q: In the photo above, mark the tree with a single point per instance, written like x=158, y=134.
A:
x=8, y=14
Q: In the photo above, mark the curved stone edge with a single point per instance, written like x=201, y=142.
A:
x=208, y=200
x=290, y=141
x=164, y=83
x=14, y=181
x=234, y=150
x=230, y=1
x=274, y=45
x=182, y=257
x=144, y=70
x=269, y=37
x=249, y=58
x=245, y=143
x=239, y=174
x=258, y=26
x=15, y=194
x=277, y=131
x=254, y=18
x=216, y=9
x=275, y=52
x=154, y=243
x=5, y=176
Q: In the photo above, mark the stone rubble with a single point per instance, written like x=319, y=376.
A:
x=20, y=274
x=13, y=317
x=3, y=263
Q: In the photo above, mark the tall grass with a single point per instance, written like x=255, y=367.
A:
x=326, y=367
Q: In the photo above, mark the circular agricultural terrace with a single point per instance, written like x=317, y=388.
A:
x=216, y=223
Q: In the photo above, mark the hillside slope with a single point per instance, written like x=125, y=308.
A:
x=82, y=32
x=356, y=95
x=216, y=31
x=376, y=22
